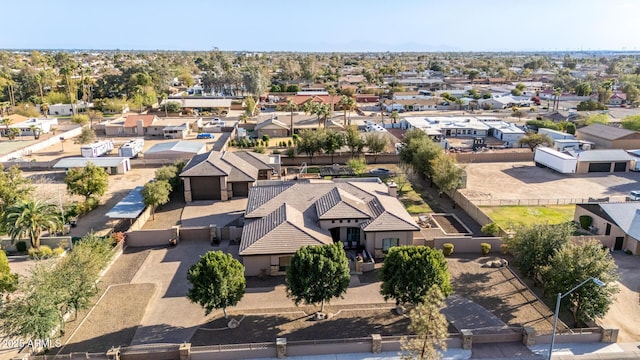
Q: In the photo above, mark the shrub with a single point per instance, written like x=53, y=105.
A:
x=447, y=249
x=58, y=251
x=265, y=138
x=485, y=247
x=504, y=248
x=21, y=246
x=289, y=143
x=43, y=252
x=116, y=238
x=491, y=229
x=290, y=152
x=259, y=149
x=275, y=152
x=628, y=252
x=585, y=221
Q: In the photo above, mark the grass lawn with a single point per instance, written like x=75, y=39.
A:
x=506, y=216
x=413, y=201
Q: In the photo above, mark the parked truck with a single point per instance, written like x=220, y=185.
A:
x=131, y=148
x=560, y=162
x=97, y=148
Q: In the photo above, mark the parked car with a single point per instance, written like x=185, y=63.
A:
x=634, y=195
x=204, y=136
x=380, y=171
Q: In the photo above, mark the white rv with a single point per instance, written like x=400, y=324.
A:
x=97, y=148
x=131, y=149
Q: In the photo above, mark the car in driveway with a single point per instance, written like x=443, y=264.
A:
x=380, y=171
x=204, y=136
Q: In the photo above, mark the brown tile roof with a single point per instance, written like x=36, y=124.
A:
x=215, y=163
x=132, y=120
x=283, y=231
x=259, y=161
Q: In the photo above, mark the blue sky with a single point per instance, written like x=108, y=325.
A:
x=326, y=25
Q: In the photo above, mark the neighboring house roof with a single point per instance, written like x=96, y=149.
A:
x=178, y=146
x=271, y=123
x=79, y=162
x=626, y=216
x=257, y=160
x=132, y=120
x=606, y=132
x=604, y=155
x=215, y=163
x=283, y=231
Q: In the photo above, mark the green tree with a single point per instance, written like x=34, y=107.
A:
x=535, y=244
x=572, y=264
x=87, y=136
x=14, y=187
x=447, y=173
x=331, y=142
x=170, y=174
x=76, y=273
x=354, y=142
x=583, y=89
x=589, y=105
x=310, y=142
x=89, y=181
x=8, y=280
x=410, y=271
x=394, y=116
x=429, y=325
x=596, y=119
x=250, y=106
x=357, y=165
x=376, y=143
x=217, y=281
x=318, y=274
x=156, y=193
x=30, y=218
x=533, y=140
x=347, y=103
x=36, y=313
x=417, y=152
x=631, y=122
x=632, y=93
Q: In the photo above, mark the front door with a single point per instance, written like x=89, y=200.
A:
x=619, y=242
x=335, y=234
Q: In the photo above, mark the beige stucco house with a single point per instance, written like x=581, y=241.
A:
x=362, y=214
x=616, y=225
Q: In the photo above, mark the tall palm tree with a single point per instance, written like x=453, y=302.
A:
x=291, y=106
x=347, y=103
x=30, y=218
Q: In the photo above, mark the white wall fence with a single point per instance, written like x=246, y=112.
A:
x=41, y=145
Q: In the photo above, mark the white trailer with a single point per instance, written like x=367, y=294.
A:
x=131, y=148
x=97, y=148
x=560, y=162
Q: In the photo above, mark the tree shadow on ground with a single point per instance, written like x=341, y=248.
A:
x=102, y=343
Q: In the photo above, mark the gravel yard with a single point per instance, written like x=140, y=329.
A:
x=121, y=271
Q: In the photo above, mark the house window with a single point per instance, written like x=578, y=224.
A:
x=349, y=220
x=333, y=221
x=353, y=235
x=388, y=243
x=284, y=262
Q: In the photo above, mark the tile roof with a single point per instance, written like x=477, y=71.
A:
x=283, y=231
x=604, y=155
x=339, y=204
x=132, y=120
x=605, y=132
x=215, y=163
x=272, y=121
x=179, y=146
x=259, y=161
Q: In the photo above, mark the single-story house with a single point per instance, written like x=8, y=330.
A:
x=176, y=131
x=67, y=109
x=112, y=165
x=130, y=125
x=273, y=127
x=608, y=161
x=202, y=103
x=364, y=216
x=556, y=134
x=175, y=150
x=223, y=175
x=617, y=99
x=27, y=127
x=609, y=137
x=617, y=225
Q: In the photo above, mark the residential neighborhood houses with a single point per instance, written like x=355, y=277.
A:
x=259, y=156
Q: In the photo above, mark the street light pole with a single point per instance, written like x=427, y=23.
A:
x=558, y=299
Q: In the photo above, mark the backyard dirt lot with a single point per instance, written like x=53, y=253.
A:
x=523, y=180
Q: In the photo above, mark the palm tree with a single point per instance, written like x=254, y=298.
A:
x=394, y=116
x=30, y=218
x=291, y=106
x=347, y=103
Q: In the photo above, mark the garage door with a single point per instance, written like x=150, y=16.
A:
x=240, y=189
x=620, y=166
x=205, y=188
x=599, y=167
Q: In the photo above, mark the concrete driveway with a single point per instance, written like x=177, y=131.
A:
x=624, y=313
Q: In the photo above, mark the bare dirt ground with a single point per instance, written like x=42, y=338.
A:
x=499, y=291
x=169, y=214
x=523, y=180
